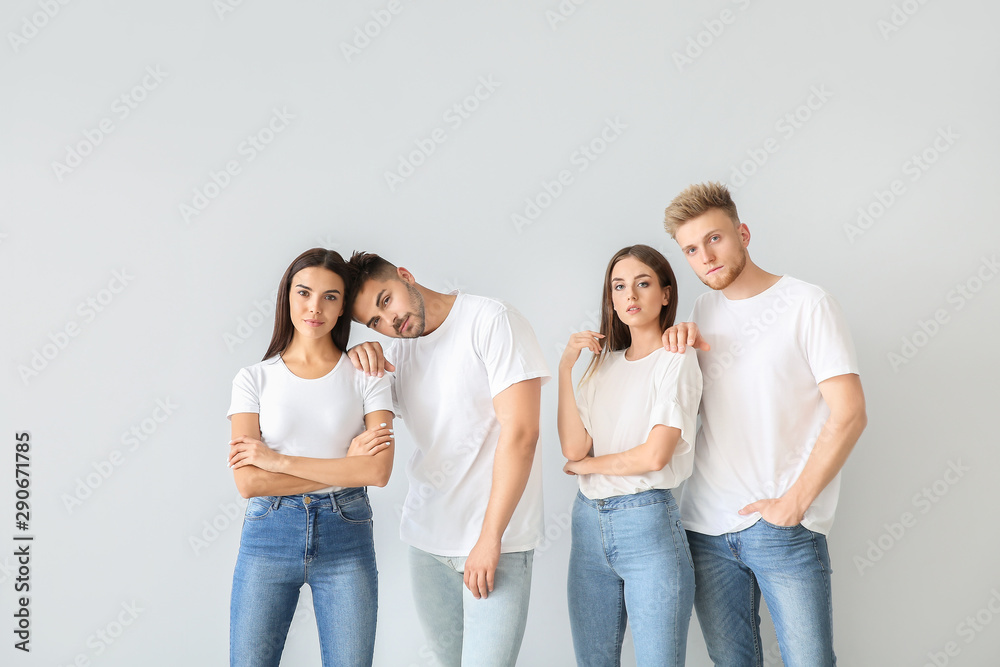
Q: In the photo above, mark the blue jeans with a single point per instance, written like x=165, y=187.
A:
x=791, y=567
x=630, y=562
x=461, y=630
x=321, y=540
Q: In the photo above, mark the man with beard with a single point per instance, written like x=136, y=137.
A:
x=781, y=410
x=467, y=381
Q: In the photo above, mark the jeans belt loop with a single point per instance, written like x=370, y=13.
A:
x=333, y=502
x=276, y=503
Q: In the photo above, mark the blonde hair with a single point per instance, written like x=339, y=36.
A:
x=696, y=200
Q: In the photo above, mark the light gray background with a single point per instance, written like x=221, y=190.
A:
x=174, y=332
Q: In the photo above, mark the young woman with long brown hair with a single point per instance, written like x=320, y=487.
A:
x=309, y=434
x=628, y=434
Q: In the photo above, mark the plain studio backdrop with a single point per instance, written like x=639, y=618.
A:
x=162, y=163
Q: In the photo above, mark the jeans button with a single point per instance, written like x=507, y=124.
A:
x=306, y=500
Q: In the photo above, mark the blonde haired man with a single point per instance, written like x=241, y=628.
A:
x=781, y=410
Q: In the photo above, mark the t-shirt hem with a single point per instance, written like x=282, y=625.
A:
x=837, y=372
x=462, y=553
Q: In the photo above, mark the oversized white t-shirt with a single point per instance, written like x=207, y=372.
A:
x=316, y=418
x=444, y=385
x=621, y=403
x=761, y=407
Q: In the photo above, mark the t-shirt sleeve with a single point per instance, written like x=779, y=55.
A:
x=509, y=349
x=677, y=397
x=585, y=403
x=377, y=393
x=246, y=394
x=827, y=341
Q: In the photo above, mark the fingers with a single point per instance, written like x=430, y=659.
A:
x=478, y=583
x=355, y=358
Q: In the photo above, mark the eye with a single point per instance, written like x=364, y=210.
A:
x=690, y=251
x=643, y=284
x=617, y=287
x=331, y=297
x=374, y=324
x=715, y=237
x=385, y=302
x=303, y=292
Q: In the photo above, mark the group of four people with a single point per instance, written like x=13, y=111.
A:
x=774, y=380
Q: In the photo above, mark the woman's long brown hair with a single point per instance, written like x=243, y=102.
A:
x=283, y=332
x=616, y=333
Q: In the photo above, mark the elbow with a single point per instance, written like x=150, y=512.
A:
x=247, y=482
x=575, y=451
x=524, y=437
x=381, y=478
x=659, y=459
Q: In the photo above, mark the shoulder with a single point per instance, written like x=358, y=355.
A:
x=676, y=363
x=483, y=307
x=799, y=290
x=260, y=369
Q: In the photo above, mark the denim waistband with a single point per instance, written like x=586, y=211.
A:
x=319, y=500
x=650, y=497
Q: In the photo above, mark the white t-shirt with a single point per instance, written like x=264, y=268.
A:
x=761, y=407
x=621, y=403
x=315, y=418
x=444, y=385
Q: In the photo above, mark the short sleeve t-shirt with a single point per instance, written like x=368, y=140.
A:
x=315, y=418
x=621, y=403
x=444, y=385
x=761, y=405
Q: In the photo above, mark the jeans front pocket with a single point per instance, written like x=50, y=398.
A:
x=258, y=507
x=356, y=510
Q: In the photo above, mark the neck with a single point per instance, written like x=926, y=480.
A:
x=436, y=307
x=752, y=281
x=645, y=340
x=311, y=350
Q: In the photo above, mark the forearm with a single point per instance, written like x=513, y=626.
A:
x=573, y=437
x=649, y=456
x=347, y=472
x=252, y=481
x=511, y=468
x=834, y=444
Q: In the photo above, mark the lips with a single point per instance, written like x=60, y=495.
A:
x=402, y=327
x=314, y=323
x=714, y=270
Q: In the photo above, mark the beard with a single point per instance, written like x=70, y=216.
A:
x=416, y=316
x=729, y=274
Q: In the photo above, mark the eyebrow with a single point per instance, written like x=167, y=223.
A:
x=641, y=275
x=378, y=300
x=329, y=291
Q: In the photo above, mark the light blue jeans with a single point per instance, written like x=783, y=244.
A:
x=630, y=563
x=791, y=567
x=462, y=631
x=321, y=540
